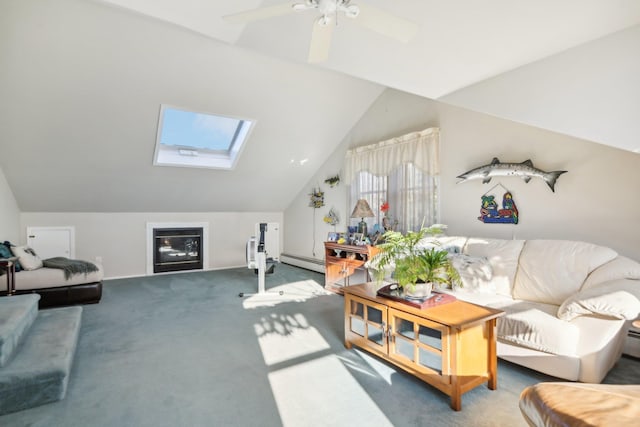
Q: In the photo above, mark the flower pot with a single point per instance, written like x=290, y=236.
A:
x=418, y=291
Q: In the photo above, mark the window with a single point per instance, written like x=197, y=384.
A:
x=402, y=171
x=199, y=140
x=413, y=197
x=411, y=194
x=373, y=189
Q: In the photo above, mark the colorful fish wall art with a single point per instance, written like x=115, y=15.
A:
x=490, y=214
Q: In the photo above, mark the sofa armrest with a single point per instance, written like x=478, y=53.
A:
x=562, y=404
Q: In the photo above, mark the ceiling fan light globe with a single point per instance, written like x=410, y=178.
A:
x=299, y=6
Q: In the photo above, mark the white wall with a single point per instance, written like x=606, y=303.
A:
x=9, y=212
x=393, y=113
x=591, y=92
x=594, y=201
x=120, y=238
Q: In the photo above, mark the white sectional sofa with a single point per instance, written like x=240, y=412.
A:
x=569, y=304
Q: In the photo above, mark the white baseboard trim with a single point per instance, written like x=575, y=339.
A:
x=312, y=264
x=134, y=276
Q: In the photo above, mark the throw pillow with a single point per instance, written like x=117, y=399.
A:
x=612, y=299
x=475, y=273
x=27, y=257
x=6, y=245
x=5, y=252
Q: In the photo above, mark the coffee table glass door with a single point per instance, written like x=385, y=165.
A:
x=367, y=322
x=419, y=342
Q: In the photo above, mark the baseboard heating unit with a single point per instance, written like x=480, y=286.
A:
x=312, y=264
x=632, y=344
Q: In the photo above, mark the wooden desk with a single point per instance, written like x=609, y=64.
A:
x=9, y=264
x=450, y=346
x=343, y=261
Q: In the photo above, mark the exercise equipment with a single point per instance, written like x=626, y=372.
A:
x=257, y=255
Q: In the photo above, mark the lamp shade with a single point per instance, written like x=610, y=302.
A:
x=362, y=210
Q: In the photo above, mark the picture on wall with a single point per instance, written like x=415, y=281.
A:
x=491, y=214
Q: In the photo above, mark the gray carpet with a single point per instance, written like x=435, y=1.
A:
x=185, y=350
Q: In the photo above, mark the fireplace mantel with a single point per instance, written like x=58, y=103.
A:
x=159, y=225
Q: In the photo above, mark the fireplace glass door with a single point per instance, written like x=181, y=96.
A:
x=177, y=249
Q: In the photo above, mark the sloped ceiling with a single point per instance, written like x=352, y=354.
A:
x=459, y=45
x=82, y=82
x=591, y=91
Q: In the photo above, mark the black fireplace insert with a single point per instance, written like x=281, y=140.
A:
x=177, y=249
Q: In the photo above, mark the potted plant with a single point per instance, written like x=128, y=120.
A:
x=417, y=267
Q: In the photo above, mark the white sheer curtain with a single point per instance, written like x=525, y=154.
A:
x=402, y=171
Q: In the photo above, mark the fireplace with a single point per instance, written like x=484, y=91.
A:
x=177, y=249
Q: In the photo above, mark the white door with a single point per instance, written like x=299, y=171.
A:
x=49, y=242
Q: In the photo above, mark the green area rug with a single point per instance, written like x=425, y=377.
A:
x=185, y=350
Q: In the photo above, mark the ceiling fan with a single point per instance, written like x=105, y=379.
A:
x=367, y=16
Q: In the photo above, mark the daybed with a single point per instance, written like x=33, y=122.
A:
x=568, y=304
x=52, y=284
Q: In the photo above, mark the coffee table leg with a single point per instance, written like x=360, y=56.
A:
x=347, y=320
x=456, y=394
x=493, y=356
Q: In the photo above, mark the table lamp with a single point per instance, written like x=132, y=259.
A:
x=362, y=211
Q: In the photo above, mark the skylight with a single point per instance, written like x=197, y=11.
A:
x=199, y=140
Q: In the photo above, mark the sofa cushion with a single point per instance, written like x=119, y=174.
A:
x=611, y=299
x=535, y=326
x=502, y=255
x=550, y=271
x=27, y=257
x=452, y=244
x=475, y=273
x=619, y=268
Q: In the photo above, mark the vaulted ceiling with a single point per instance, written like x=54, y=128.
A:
x=82, y=82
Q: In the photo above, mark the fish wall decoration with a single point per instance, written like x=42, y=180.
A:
x=524, y=170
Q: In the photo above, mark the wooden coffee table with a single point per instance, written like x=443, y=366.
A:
x=450, y=346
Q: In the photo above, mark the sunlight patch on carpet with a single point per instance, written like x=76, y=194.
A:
x=286, y=337
x=322, y=392
x=370, y=366
x=289, y=292
x=383, y=370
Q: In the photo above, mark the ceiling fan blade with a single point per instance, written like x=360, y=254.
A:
x=386, y=24
x=320, y=41
x=259, y=13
